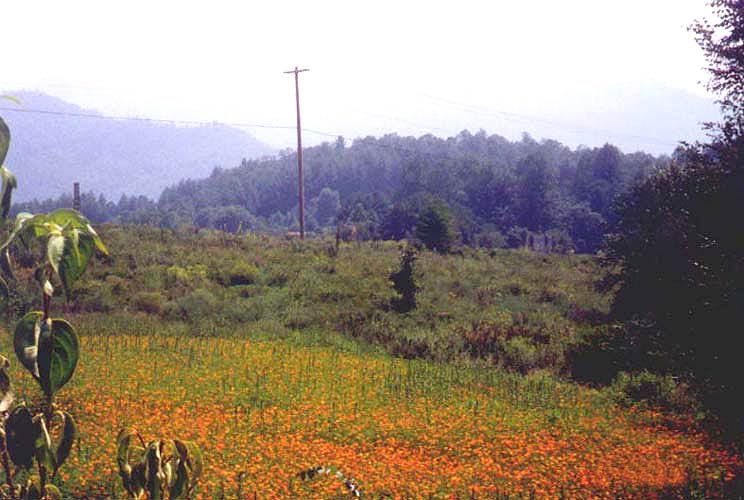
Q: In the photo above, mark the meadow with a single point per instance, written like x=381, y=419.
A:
x=279, y=356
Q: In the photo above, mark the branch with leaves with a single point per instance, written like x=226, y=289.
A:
x=47, y=347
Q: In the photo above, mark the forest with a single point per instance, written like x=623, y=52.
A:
x=493, y=192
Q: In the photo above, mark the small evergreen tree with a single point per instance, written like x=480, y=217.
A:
x=404, y=282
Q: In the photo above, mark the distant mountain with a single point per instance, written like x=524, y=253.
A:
x=51, y=151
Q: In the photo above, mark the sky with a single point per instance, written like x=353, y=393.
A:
x=409, y=67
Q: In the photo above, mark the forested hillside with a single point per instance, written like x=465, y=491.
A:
x=486, y=190
x=67, y=143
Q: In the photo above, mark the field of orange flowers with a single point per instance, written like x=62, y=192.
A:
x=264, y=411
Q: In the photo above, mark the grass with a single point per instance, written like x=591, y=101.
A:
x=469, y=306
x=306, y=366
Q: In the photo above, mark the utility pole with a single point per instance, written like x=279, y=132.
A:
x=299, y=151
x=76, y=196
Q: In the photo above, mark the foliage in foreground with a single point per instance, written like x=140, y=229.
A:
x=675, y=257
x=49, y=349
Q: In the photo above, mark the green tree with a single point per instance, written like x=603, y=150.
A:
x=404, y=281
x=327, y=206
x=536, y=203
x=675, y=256
x=434, y=227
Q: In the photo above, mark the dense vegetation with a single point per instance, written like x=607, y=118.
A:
x=304, y=358
x=675, y=257
x=495, y=191
x=282, y=351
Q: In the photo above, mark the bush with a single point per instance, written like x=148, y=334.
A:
x=520, y=354
x=94, y=296
x=171, y=310
x=604, y=352
x=185, y=276
x=149, y=302
x=243, y=273
x=198, y=304
x=434, y=227
x=404, y=282
x=646, y=387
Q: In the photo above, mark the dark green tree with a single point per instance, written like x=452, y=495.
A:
x=404, y=281
x=675, y=256
x=434, y=227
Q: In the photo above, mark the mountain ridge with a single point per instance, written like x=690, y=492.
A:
x=119, y=156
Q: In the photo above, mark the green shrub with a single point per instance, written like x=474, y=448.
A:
x=172, y=310
x=658, y=390
x=94, y=297
x=603, y=352
x=185, y=276
x=520, y=354
x=243, y=273
x=198, y=304
x=404, y=282
x=149, y=302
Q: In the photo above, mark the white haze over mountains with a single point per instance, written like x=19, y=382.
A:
x=112, y=157
x=584, y=72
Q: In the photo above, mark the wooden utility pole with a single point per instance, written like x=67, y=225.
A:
x=76, y=196
x=299, y=151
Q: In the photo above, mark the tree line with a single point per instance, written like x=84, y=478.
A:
x=491, y=191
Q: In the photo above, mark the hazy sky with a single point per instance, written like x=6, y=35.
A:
x=406, y=66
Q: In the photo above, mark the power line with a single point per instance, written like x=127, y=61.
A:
x=482, y=110
x=160, y=120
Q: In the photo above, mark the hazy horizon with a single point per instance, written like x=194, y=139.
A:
x=558, y=71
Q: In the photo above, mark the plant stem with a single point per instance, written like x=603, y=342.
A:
x=6, y=466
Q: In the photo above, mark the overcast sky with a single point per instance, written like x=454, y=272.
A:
x=406, y=66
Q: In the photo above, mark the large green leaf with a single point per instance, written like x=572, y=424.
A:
x=48, y=349
x=154, y=471
x=4, y=140
x=72, y=219
x=130, y=459
x=55, y=248
x=123, y=445
x=66, y=439
x=65, y=351
x=43, y=445
x=20, y=434
x=78, y=250
x=25, y=227
x=9, y=183
x=188, y=470
x=26, y=341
